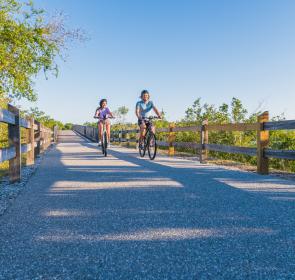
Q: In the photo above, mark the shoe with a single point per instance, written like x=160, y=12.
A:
x=108, y=145
x=141, y=145
x=99, y=143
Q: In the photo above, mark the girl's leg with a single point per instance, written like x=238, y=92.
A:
x=108, y=128
x=100, y=130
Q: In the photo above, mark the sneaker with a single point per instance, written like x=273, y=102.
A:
x=108, y=145
x=141, y=145
x=99, y=143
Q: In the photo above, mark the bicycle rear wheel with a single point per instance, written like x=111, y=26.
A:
x=152, y=146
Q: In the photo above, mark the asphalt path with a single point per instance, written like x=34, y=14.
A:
x=83, y=216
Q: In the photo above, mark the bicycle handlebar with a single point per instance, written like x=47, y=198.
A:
x=104, y=118
x=152, y=118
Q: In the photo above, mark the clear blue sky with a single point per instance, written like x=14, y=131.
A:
x=179, y=50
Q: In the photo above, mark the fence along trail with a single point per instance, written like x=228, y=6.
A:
x=84, y=216
x=203, y=146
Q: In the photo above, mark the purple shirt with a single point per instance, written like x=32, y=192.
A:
x=103, y=113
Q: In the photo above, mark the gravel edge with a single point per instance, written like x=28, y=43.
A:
x=9, y=192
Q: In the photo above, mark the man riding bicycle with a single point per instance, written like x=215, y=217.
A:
x=142, y=111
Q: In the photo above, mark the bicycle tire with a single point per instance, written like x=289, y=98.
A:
x=102, y=147
x=152, y=146
x=105, y=144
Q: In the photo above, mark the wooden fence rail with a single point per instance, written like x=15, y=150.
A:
x=262, y=128
x=38, y=139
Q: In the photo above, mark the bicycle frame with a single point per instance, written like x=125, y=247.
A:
x=149, y=134
x=104, y=138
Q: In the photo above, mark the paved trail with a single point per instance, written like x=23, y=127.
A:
x=86, y=217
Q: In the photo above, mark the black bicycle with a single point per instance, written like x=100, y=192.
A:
x=149, y=141
x=104, y=140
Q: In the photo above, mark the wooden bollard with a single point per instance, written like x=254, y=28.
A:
x=14, y=140
x=171, y=139
x=204, y=140
x=262, y=143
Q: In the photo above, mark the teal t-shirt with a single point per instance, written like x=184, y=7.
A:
x=144, y=108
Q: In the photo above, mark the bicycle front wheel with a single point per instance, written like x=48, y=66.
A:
x=152, y=146
x=104, y=145
x=141, y=148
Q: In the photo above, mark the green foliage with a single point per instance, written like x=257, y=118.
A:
x=234, y=112
x=41, y=117
x=28, y=45
x=68, y=126
x=92, y=124
x=121, y=114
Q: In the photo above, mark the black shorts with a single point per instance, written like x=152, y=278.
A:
x=146, y=122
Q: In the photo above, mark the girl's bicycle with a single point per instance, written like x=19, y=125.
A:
x=149, y=141
x=104, y=140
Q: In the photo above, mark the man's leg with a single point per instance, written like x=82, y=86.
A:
x=153, y=128
x=142, y=131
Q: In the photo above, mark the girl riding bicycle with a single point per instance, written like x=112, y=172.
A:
x=103, y=113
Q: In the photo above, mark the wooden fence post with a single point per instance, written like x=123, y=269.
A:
x=31, y=141
x=120, y=136
x=127, y=138
x=204, y=140
x=37, y=138
x=42, y=138
x=14, y=140
x=262, y=143
x=171, y=139
x=55, y=132
x=48, y=138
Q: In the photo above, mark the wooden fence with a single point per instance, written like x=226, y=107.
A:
x=262, y=128
x=87, y=131
x=38, y=139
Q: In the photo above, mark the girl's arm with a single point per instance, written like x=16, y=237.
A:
x=97, y=112
x=110, y=113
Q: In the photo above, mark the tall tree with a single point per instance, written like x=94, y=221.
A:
x=28, y=44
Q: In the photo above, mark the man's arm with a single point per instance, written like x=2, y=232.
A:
x=157, y=112
x=137, y=112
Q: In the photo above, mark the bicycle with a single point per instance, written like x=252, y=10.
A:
x=149, y=141
x=104, y=140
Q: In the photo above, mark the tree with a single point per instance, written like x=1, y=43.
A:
x=41, y=117
x=68, y=126
x=238, y=112
x=28, y=45
x=121, y=114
